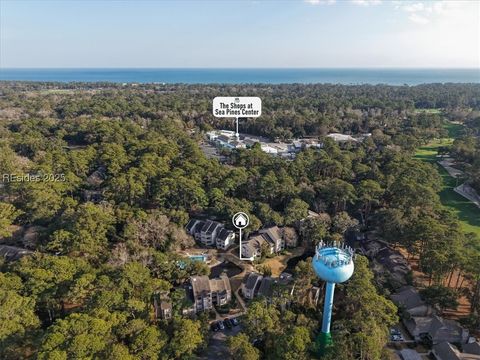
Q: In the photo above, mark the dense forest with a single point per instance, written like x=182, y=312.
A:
x=119, y=173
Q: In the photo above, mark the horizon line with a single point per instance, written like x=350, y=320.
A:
x=243, y=68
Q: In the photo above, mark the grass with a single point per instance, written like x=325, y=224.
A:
x=428, y=111
x=454, y=130
x=467, y=212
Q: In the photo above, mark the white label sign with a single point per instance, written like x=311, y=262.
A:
x=237, y=107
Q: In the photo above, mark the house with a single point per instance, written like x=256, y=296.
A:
x=409, y=354
x=11, y=253
x=408, y=299
x=435, y=329
x=193, y=228
x=251, y=284
x=270, y=238
x=274, y=236
x=225, y=239
x=472, y=348
x=446, y=351
x=209, y=292
x=265, y=288
x=210, y=233
x=253, y=247
x=165, y=310
x=341, y=137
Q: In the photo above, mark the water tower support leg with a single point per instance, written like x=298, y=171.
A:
x=325, y=338
x=327, y=308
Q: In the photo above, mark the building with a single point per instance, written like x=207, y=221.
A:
x=274, y=236
x=472, y=348
x=341, y=137
x=409, y=300
x=251, y=284
x=252, y=248
x=446, y=351
x=409, y=354
x=266, y=288
x=434, y=329
x=164, y=310
x=210, y=233
x=11, y=253
x=270, y=239
x=209, y=292
x=225, y=239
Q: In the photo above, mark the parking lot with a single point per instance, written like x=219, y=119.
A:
x=217, y=346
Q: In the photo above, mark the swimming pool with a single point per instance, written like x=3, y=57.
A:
x=198, y=258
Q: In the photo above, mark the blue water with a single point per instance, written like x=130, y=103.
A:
x=242, y=76
x=198, y=258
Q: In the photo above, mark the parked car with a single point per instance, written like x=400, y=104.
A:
x=214, y=327
x=228, y=323
x=394, y=331
x=397, y=338
x=221, y=326
x=234, y=321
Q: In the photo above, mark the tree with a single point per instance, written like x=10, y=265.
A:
x=362, y=317
x=186, y=338
x=296, y=210
x=368, y=193
x=154, y=230
x=342, y=222
x=145, y=341
x=8, y=214
x=17, y=312
x=294, y=344
x=440, y=296
x=87, y=232
x=241, y=349
x=261, y=320
x=313, y=230
x=78, y=336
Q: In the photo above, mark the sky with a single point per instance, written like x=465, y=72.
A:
x=239, y=34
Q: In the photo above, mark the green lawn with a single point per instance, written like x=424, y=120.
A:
x=428, y=111
x=467, y=212
x=454, y=130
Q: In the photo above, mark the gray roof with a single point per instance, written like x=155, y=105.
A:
x=266, y=287
x=472, y=348
x=251, y=280
x=13, y=252
x=438, y=328
x=272, y=235
x=200, y=285
x=409, y=354
x=191, y=225
x=447, y=351
x=165, y=305
x=408, y=297
x=210, y=226
x=223, y=234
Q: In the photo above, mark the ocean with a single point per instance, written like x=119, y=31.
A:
x=243, y=76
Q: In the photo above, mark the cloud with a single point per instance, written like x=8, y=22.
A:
x=424, y=12
x=419, y=19
x=320, y=2
x=415, y=7
x=366, y=2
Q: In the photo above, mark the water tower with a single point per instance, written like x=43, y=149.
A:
x=332, y=263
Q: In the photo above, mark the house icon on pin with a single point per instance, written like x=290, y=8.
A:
x=240, y=220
